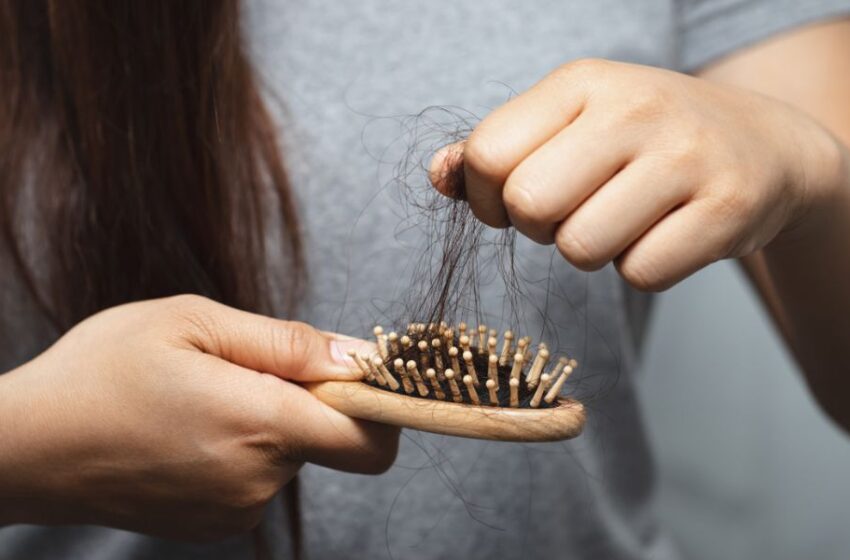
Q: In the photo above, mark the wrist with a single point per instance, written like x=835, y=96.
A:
x=822, y=177
x=28, y=472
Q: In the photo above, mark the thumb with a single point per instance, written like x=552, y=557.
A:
x=288, y=349
x=446, y=171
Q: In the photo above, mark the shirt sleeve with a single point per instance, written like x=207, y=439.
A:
x=711, y=29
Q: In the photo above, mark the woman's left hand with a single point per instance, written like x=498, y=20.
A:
x=660, y=172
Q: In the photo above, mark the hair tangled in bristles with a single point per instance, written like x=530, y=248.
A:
x=458, y=249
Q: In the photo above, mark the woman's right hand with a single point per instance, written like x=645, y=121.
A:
x=175, y=417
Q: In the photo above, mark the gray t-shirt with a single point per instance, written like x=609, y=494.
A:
x=348, y=74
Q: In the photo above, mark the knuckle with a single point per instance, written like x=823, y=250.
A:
x=379, y=454
x=294, y=344
x=644, y=105
x=722, y=243
x=186, y=302
x=521, y=203
x=578, y=247
x=485, y=156
x=687, y=156
x=688, y=147
x=731, y=205
x=643, y=275
x=587, y=65
x=264, y=428
x=588, y=73
x=191, y=313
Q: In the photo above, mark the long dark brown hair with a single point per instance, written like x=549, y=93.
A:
x=137, y=158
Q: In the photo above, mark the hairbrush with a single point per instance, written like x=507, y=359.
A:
x=460, y=382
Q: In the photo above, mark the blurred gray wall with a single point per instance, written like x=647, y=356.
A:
x=749, y=467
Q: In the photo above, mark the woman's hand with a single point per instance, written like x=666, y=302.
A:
x=660, y=172
x=175, y=417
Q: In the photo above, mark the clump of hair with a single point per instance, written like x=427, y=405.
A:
x=447, y=271
x=454, y=257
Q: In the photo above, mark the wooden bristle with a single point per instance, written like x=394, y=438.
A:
x=514, y=383
x=389, y=377
x=470, y=367
x=376, y=374
x=424, y=357
x=461, y=328
x=450, y=376
x=470, y=388
x=507, y=345
x=464, y=343
x=516, y=370
x=361, y=365
x=482, y=339
x=559, y=383
x=395, y=348
x=406, y=343
x=522, y=345
x=527, y=347
x=491, y=346
x=453, y=352
x=435, y=384
x=417, y=378
x=436, y=344
x=449, y=337
x=381, y=339
x=493, y=394
x=538, y=394
x=536, y=368
x=493, y=369
x=398, y=365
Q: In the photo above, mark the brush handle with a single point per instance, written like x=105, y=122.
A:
x=565, y=420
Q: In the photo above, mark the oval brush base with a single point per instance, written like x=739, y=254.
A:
x=564, y=419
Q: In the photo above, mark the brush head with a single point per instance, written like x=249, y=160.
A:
x=440, y=379
x=439, y=348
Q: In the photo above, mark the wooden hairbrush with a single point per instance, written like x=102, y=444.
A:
x=449, y=381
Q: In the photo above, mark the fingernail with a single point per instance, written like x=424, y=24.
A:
x=341, y=347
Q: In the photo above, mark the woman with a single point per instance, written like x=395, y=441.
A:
x=139, y=162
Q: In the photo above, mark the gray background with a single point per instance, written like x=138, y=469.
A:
x=749, y=466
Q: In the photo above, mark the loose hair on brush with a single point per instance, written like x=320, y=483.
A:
x=458, y=256
x=432, y=371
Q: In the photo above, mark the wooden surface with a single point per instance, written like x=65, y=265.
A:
x=359, y=400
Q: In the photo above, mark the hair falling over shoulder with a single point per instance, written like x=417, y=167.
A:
x=137, y=158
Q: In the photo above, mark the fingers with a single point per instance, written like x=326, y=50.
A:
x=313, y=432
x=287, y=349
x=557, y=177
x=685, y=241
x=619, y=213
x=509, y=134
x=443, y=170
